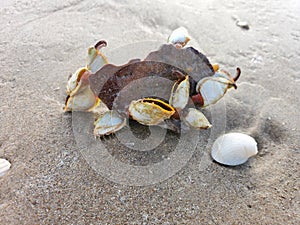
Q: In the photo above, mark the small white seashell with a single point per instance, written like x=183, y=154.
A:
x=4, y=166
x=233, y=149
x=179, y=36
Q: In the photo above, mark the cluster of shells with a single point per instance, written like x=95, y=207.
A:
x=205, y=84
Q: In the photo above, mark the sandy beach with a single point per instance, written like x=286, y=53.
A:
x=56, y=177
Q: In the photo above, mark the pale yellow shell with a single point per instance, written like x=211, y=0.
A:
x=233, y=149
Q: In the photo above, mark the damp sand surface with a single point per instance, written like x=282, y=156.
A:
x=53, y=181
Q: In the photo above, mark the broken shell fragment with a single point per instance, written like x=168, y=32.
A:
x=109, y=122
x=233, y=149
x=196, y=119
x=150, y=111
x=4, y=166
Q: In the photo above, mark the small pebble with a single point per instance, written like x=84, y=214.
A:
x=239, y=23
x=243, y=24
x=235, y=17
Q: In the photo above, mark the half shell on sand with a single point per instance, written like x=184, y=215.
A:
x=233, y=149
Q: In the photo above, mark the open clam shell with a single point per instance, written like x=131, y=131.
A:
x=149, y=111
x=233, y=149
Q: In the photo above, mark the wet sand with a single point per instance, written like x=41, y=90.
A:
x=51, y=182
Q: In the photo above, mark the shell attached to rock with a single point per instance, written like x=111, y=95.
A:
x=233, y=149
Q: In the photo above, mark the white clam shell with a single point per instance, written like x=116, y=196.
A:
x=233, y=149
x=4, y=166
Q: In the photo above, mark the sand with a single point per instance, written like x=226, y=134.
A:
x=53, y=180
